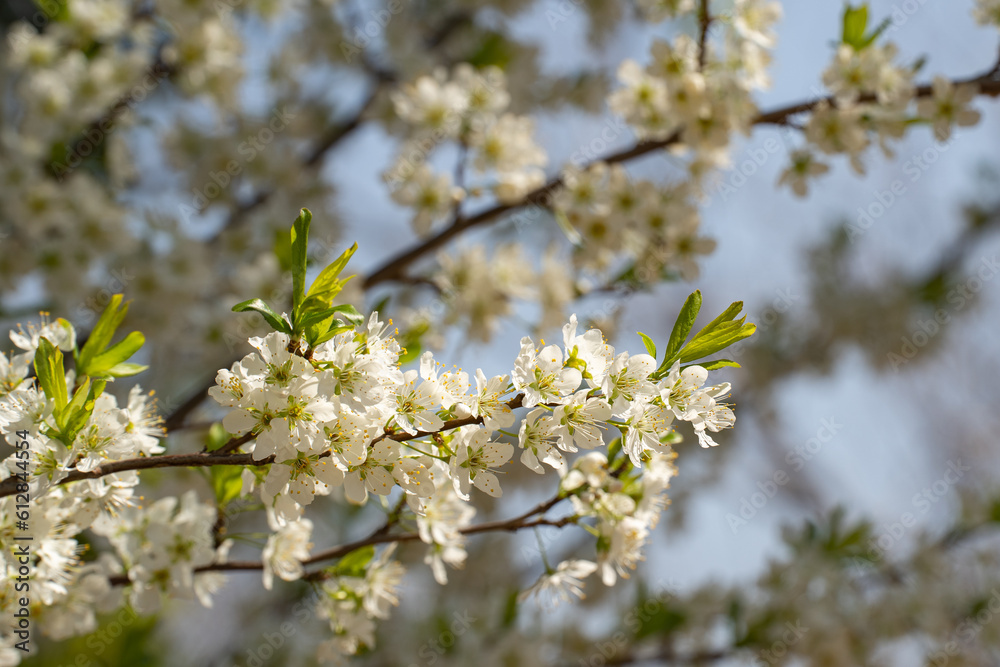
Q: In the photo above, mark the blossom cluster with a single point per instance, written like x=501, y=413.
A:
x=470, y=108
x=66, y=591
x=691, y=94
x=655, y=226
x=344, y=415
x=872, y=103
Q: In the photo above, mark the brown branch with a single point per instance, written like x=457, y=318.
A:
x=239, y=215
x=671, y=657
x=225, y=456
x=395, y=268
x=381, y=536
x=199, y=460
x=704, y=24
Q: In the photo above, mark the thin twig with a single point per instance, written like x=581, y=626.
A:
x=226, y=456
x=381, y=536
x=395, y=267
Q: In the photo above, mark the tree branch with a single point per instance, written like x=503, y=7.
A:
x=704, y=23
x=225, y=456
x=381, y=536
x=395, y=268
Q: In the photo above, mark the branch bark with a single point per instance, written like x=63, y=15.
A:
x=395, y=268
x=226, y=456
x=381, y=536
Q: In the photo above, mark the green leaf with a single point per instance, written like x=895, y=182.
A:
x=300, y=243
x=217, y=436
x=79, y=413
x=98, y=357
x=380, y=306
x=277, y=322
x=322, y=325
x=719, y=363
x=317, y=306
x=102, y=333
x=308, y=319
x=682, y=327
x=116, y=354
x=75, y=405
x=728, y=315
x=227, y=483
x=648, y=342
x=51, y=373
x=350, y=314
x=124, y=370
x=316, y=332
x=311, y=313
x=330, y=333
x=614, y=449
x=874, y=34
x=855, y=25
x=327, y=281
x=718, y=334
x=410, y=342
x=707, y=345
x=354, y=563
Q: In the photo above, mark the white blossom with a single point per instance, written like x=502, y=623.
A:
x=285, y=550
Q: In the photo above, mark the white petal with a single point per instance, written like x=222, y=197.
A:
x=487, y=482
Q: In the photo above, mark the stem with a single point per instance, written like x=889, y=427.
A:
x=420, y=451
x=395, y=267
x=226, y=456
x=380, y=536
x=704, y=23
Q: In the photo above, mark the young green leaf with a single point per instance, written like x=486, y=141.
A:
x=682, y=327
x=648, y=342
x=310, y=318
x=78, y=413
x=321, y=338
x=300, y=243
x=354, y=563
x=283, y=249
x=102, y=333
x=227, y=483
x=728, y=315
x=327, y=281
x=717, y=364
x=349, y=314
x=75, y=405
x=410, y=352
x=381, y=305
x=855, y=24
x=874, y=34
x=721, y=339
x=216, y=437
x=124, y=370
x=118, y=353
x=51, y=373
x=277, y=322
